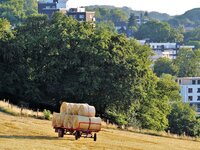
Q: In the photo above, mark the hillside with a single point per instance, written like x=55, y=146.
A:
x=28, y=133
x=128, y=11
x=190, y=18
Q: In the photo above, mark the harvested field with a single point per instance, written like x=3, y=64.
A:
x=24, y=133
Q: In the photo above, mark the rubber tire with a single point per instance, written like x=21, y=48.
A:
x=60, y=133
x=95, y=137
x=77, y=135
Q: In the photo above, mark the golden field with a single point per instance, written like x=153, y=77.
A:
x=25, y=133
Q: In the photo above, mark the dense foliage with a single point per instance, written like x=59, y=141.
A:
x=62, y=59
x=46, y=61
x=104, y=12
x=182, y=120
x=164, y=65
x=159, y=32
x=193, y=37
x=17, y=10
x=187, y=63
x=189, y=19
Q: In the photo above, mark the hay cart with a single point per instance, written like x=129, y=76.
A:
x=78, y=132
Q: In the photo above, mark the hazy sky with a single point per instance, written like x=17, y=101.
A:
x=172, y=7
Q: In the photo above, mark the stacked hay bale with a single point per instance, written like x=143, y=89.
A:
x=77, y=116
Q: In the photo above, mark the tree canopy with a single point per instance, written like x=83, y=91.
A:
x=17, y=10
x=182, y=120
x=187, y=63
x=159, y=32
x=164, y=65
x=47, y=61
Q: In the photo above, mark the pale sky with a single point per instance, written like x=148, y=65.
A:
x=172, y=7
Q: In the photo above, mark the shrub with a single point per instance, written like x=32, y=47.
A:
x=47, y=114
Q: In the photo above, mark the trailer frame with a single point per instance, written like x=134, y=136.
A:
x=78, y=132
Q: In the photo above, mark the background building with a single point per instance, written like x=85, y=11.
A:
x=81, y=14
x=190, y=90
x=168, y=50
x=49, y=7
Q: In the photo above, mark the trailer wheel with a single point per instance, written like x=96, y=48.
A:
x=77, y=135
x=60, y=133
x=95, y=137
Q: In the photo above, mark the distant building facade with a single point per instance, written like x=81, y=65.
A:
x=141, y=20
x=49, y=7
x=190, y=90
x=168, y=50
x=81, y=14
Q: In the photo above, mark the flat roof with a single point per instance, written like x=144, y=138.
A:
x=189, y=78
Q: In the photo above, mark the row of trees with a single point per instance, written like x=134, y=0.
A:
x=46, y=61
x=16, y=11
x=185, y=65
x=193, y=37
x=154, y=30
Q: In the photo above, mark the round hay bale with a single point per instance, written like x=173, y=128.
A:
x=68, y=121
x=60, y=120
x=55, y=117
x=75, y=109
x=80, y=122
x=70, y=108
x=63, y=107
x=95, y=123
x=86, y=110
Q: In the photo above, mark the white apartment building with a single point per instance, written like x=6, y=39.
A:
x=168, y=50
x=190, y=90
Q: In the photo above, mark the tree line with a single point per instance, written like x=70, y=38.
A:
x=185, y=65
x=46, y=61
x=16, y=11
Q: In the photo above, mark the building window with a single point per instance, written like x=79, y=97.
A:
x=198, y=107
x=179, y=81
x=198, y=81
x=198, y=90
x=189, y=90
x=193, y=81
x=81, y=16
x=190, y=98
x=198, y=98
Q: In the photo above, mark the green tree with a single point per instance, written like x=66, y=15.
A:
x=158, y=32
x=118, y=15
x=195, y=43
x=132, y=21
x=5, y=30
x=154, y=108
x=67, y=59
x=17, y=10
x=164, y=65
x=188, y=63
x=11, y=71
x=182, y=119
x=193, y=35
x=167, y=86
x=106, y=25
x=12, y=10
x=30, y=7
